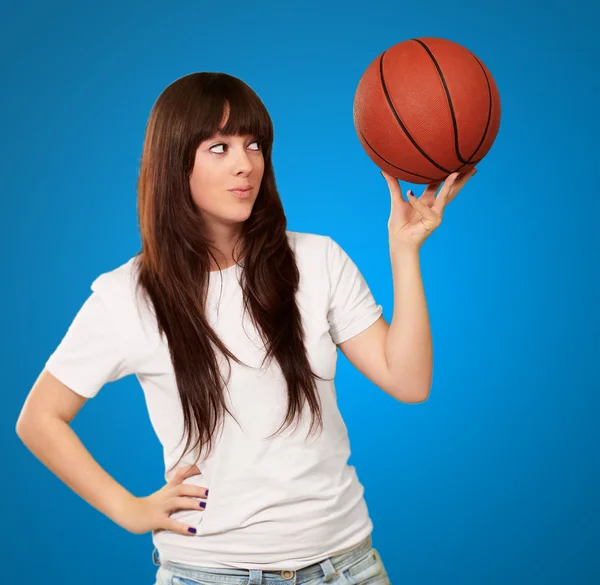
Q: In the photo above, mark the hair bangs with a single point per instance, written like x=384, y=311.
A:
x=247, y=117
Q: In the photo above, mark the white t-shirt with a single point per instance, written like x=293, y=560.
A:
x=279, y=503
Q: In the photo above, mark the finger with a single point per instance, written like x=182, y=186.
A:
x=424, y=210
x=183, y=473
x=178, y=475
x=459, y=184
x=444, y=193
x=192, y=491
x=428, y=196
x=464, y=177
x=179, y=527
x=173, y=504
x=192, y=470
x=394, y=187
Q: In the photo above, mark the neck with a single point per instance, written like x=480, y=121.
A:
x=223, y=241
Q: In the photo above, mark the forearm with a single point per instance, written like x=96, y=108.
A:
x=408, y=348
x=59, y=448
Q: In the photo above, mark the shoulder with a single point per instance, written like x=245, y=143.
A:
x=118, y=289
x=118, y=281
x=304, y=240
x=309, y=246
x=311, y=252
x=314, y=248
x=129, y=310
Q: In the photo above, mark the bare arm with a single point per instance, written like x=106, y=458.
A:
x=44, y=428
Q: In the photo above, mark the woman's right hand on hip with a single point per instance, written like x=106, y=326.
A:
x=152, y=513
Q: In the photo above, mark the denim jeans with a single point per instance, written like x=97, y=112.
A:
x=353, y=567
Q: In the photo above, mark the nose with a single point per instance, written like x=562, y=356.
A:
x=242, y=162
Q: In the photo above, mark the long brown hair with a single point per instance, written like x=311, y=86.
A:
x=175, y=257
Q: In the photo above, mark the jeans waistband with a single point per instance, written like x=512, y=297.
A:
x=327, y=569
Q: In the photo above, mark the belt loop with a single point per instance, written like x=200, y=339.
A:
x=329, y=571
x=255, y=577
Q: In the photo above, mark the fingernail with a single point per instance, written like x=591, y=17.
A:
x=410, y=193
x=207, y=492
x=192, y=530
x=203, y=504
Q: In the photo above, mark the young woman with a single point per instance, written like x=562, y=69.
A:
x=231, y=324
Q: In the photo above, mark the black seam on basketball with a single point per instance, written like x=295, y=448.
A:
x=470, y=162
x=389, y=101
x=448, y=97
x=487, y=126
x=392, y=164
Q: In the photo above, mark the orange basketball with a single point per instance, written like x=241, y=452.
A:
x=426, y=108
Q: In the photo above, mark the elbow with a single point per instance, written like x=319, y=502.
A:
x=19, y=427
x=410, y=389
x=414, y=398
x=22, y=428
x=412, y=395
x=417, y=389
x=29, y=428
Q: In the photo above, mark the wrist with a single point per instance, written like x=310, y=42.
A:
x=123, y=508
x=403, y=248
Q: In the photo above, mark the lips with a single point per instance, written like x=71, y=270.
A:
x=244, y=193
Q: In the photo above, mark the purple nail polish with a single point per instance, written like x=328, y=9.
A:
x=207, y=492
x=203, y=504
x=192, y=530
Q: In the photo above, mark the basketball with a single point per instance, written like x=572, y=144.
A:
x=426, y=108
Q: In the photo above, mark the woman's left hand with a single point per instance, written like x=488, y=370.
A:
x=411, y=223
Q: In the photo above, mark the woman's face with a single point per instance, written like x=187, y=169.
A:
x=223, y=164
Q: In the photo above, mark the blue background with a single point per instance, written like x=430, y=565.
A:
x=495, y=479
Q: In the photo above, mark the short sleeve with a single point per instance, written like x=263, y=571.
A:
x=352, y=308
x=90, y=353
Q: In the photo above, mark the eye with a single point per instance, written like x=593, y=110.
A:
x=216, y=145
x=223, y=145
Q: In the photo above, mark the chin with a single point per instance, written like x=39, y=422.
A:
x=229, y=215
x=238, y=217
